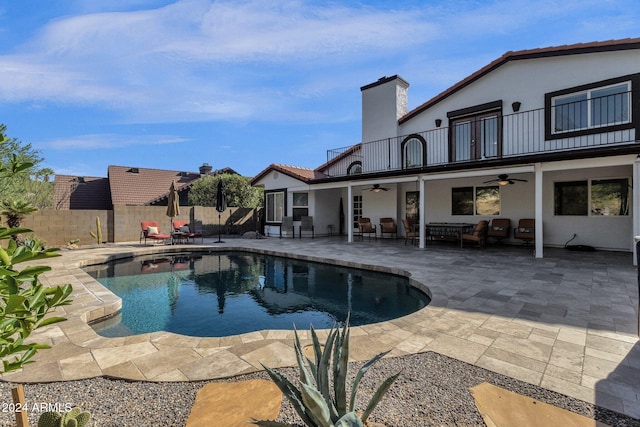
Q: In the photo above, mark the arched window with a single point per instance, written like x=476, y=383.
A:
x=354, y=168
x=413, y=152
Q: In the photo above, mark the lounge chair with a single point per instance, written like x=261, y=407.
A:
x=479, y=234
x=306, y=224
x=365, y=227
x=151, y=230
x=526, y=230
x=409, y=231
x=388, y=226
x=183, y=229
x=499, y=229
x=287, y=226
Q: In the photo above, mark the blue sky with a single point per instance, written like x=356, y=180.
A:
x=174, y=84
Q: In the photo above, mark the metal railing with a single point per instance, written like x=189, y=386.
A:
x=607, y=123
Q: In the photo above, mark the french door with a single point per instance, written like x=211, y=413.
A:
x=476, y=137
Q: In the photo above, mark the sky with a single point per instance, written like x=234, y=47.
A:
x=246, y=83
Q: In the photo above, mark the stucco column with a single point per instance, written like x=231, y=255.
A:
x=635, y=194
x=422, y=216
x=538, y=210
x=349, y=213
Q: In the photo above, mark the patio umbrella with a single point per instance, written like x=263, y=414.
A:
x=221, y=206
x=173, y=204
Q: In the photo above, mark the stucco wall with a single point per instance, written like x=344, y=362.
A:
x=122, y=224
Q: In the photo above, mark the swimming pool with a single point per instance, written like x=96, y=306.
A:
x=230, y=293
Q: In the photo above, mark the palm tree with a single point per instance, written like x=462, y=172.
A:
x=15, y=211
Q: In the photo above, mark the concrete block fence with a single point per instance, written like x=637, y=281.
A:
x=122, y=224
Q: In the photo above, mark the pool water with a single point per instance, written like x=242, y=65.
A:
x=230, y=293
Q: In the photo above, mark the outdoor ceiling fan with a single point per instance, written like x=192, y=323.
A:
x=503, y=179
x=376, y=188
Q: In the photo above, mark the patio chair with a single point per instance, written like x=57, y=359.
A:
x=388, y=226
x=410, y=231
x=183, y=229
x=499, y=229
x=306, y=224
x=287, y=226
x=365, y=227
x=479, y=234
x=151, y=230
x=526, y=230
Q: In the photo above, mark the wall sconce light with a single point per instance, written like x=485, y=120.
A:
x=516, y=106
x=438, y=122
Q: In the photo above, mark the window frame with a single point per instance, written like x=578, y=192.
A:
x=473, y=190
x=357, y=209
x=633, y=99
x=423, y=151
x=298, y=211
x=351, y=169
x=588, y=208
x=476, y=116
x=274, y=193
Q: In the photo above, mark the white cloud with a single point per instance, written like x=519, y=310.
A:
x=94, y=141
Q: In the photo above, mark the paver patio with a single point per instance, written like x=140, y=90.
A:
x=567, y=322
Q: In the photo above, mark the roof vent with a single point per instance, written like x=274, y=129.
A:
x=134, y=170
x=81, y=180
x=184, y=174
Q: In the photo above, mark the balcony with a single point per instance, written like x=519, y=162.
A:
x=497, y=137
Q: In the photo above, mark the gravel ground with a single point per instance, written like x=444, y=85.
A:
x=433, y=390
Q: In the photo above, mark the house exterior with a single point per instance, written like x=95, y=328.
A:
x=549, y=134
x=126, y=186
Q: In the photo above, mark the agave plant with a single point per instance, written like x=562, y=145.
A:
x=315, y=401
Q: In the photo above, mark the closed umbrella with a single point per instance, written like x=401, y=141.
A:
x=221, y=206
x=173, y=204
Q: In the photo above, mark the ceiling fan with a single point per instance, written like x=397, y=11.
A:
x=376, y=188
x=503, y=179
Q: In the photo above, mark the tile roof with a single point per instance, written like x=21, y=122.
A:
x=572, y=49
x=140, y=186
x=340, y=156
x=300, y=173
x=88, y=192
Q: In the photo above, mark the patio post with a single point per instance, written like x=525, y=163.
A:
x=421, y=215
x=636, y=207
x=349, y=213
x=538, y=210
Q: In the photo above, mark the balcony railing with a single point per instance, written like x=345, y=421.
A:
x=499, y=137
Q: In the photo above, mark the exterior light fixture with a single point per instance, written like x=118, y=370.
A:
x=438, y=122
x=516, y=106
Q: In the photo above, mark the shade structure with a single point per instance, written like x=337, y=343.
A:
x=221, y=206
x=173, y=204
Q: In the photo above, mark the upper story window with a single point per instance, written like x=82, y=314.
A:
x=413, y=152
x=605, y=106
x=355, y=168
x=476, y=132
x=588, y=109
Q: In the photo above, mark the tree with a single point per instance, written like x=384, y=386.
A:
x=31, y=183
x=24, y=301
x=238, y=191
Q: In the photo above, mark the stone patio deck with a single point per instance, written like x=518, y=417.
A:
x=567, y=322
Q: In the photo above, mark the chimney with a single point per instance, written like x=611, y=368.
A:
x=383, y=103
x=205, y=169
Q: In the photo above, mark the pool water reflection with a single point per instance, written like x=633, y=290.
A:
x=230, y=293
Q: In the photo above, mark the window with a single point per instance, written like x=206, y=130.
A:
x=354, y=168
x=413, y=152
x=275, y=205
x=607, y=197
x=603, y=106
x=357, y=210
x=300, y=205
x=475, y=201
x=592, y=108
x=476, y=132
